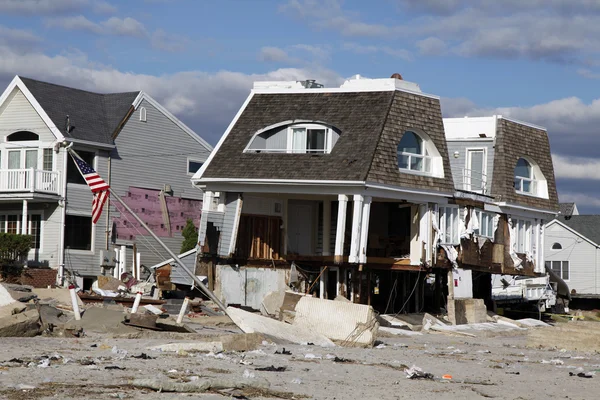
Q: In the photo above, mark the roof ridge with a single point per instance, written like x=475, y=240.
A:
x=24, y=78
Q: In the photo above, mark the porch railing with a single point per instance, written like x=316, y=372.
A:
x=29, y=180
x=474, y=181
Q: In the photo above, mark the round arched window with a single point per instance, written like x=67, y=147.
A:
x=524, y=178
x=22, y=136
x=412, y=155
x=556, y=246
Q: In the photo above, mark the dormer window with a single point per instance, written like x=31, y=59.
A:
x=417, y=153
x=298, y=138
x=524, y=177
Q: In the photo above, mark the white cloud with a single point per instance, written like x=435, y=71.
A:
x=75, y=23
x=102, y=7
x=576, y=167
x=431, y=46
x=41, y=7
x=319, y=52
x=17, y=38
x=125, y=27
x=371, y=49
x=581, y=199
x=113, y=26
x=205, y=101
x=274, y=54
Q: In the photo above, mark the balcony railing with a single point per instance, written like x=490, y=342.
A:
x=29, y=180
x=474, y=181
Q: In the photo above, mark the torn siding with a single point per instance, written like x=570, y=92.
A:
x=230, y=216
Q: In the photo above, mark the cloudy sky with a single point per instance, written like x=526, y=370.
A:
x=534, y=60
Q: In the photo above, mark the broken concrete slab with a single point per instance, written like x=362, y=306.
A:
x=466, y=311
x=24, y=324
x=398, y=332
x=530, y=322
x=347, y=323
x=239, y=342
x=101, y=320
x=271, y=304
x=429, y=321
x=253, y=323
x=414, y=322
x=57, y=296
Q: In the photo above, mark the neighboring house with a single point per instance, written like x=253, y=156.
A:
x=506, y=191
x=568, y=209
x=572, y=251
x=356, y=185
x=145, y=153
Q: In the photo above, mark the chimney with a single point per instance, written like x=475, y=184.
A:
x=396, y=76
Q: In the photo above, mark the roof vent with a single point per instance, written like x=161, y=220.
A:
x=396, y=76
x=311, y=84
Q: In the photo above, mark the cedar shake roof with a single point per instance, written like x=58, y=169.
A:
x=94, y=116
x=514, y=141
x=371, y=125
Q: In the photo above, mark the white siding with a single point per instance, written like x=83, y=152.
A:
x=582, y=257
x=17, y=114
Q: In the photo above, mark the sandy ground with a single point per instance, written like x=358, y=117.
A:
x=499, y=366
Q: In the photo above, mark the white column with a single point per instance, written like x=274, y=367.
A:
x=207, y=200
x=122, y=261
x=326, y=227
x=341, y=227
x=117, y=264
x=139, y=265
x=356, y=222
x=322, y=284
x=285, y=226
x=24, y=219
x=364, y=230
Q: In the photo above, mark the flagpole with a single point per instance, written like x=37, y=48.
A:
x=202, y=286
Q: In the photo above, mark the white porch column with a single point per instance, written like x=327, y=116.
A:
x=357, y=209
x=207, y=200
x=322, y=284
x=326, y=227
x=364, y=231
x=341, y=228
x=24, y=219
x=285, y=226
x=122, y=261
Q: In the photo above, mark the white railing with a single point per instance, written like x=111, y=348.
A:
x=474, y=181
x=29, y=180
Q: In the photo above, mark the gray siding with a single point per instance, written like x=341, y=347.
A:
x=79, y=202
x=458, y=165
x=231, y=201
x=581, y=254
x=178, y=275
x=150, y=155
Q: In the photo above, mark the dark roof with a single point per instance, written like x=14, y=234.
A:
x=515, y=140
x=586, y=225
x=371, y=125
x=566, y=209
x=93, y=116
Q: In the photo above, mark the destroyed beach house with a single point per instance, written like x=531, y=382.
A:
x=352, y=190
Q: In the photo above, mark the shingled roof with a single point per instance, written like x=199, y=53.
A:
x=586, y=225
x=93, y=116
x=371, y=125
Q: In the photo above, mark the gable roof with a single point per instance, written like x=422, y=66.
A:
x=586, y=225
x=371, y=124
x=567, y=209
x=93, y=116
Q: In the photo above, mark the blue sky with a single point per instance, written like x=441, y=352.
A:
x=534, y=60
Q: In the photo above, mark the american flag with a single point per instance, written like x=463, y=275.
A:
x=95, y=182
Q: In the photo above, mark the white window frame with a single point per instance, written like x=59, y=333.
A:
x=490, y=217
x=561, y=268
x=468, y=170
x=143, y=114
x=456, y=220
x=425, y=156
x=187, y=164
x=522, y=226
x=519, y=180
x=290, y=139
x=19, y=214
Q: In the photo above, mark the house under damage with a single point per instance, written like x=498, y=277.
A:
x=366, y=192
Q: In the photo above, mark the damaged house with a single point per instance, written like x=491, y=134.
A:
x=505, y=194
x=347, y=192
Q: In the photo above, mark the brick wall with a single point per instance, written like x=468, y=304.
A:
x=39, y=277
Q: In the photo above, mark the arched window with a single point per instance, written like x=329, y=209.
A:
x=556, y=246
x=22, y=136
x=524, y=177
x=313, y=137
x=143, y=114
x=412, y=153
